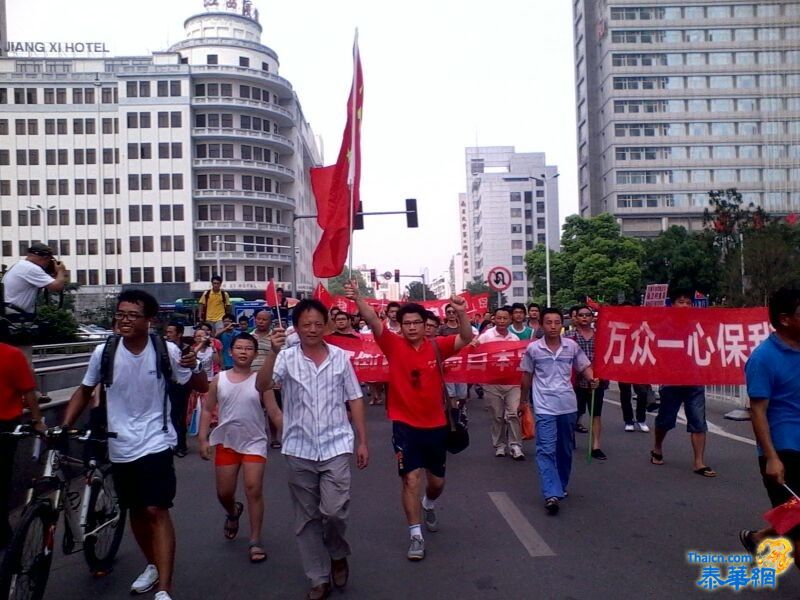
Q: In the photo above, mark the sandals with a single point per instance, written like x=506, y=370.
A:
x=232, y=522
x=706, y=472
x=581, y=429
x=656, y=458
x=257, y=553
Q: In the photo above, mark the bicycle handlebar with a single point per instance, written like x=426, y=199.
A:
x=55, y=433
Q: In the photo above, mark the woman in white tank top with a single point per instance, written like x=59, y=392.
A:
x=240, y=440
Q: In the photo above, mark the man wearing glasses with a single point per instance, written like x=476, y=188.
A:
x=583, y=334
x=137, y=411
x=416, y=406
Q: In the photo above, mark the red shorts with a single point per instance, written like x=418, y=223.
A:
x=225, y=457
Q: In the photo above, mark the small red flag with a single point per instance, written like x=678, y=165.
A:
x=592, y=304
x=336, y=187
x=322, y=294
x=785, y=517
x=271, y=294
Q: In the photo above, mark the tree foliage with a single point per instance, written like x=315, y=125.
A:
x=478, y=286
x=683, y=260
x=595, y=260
x=336, y=284
x=415, y=289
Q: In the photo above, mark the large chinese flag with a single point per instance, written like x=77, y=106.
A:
x=336, y=187
x=322, y=294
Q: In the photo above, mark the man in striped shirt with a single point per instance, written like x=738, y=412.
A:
x=317, y=380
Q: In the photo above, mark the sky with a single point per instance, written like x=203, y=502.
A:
x=438, y=76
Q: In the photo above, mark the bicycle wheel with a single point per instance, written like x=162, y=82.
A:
x=26, y=566
x=105, y=526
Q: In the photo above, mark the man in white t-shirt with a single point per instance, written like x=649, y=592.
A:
x=503, y=400
x=24, y=280
x=138, y=413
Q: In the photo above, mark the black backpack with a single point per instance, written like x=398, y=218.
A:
x=163, y=369
x=226, y=297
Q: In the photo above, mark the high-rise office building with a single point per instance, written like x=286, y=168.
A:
x=511, y=205
x=678, y=98
x=160, y=170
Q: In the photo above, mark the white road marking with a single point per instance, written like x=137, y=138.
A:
x=527, y=535
x=715, y=429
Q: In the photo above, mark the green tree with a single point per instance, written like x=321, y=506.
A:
x=595, y=260
x=683, y=260
x=336, y=284
x=417, y=291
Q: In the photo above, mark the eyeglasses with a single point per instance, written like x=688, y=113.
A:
x=130, y=316
x=414, y=323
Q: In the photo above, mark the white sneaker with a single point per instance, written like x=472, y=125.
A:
x=500, y=451
x=516, y=453
x=146, y=581
x=629, y=427
x=642, y=426
x=162, y=595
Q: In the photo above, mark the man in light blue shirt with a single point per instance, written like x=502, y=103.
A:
x=547, y=370
x=773, y=384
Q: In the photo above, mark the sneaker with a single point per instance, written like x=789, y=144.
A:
x=516, y=453
x=642, y=426
x=629, y=427
x=431, y=522
x=746, y=538
x=416, y=551
x=500, y=452
x=599, y=454
x=162, y=595
x=551, y=505
x=146, y=581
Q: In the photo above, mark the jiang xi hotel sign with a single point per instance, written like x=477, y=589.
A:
x=57, y=47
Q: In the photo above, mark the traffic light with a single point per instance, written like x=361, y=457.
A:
x=397, y=275
x=373, y=276
x=358, y=218
x=411, y=212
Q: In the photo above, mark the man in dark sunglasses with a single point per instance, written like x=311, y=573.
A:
x=416, y=405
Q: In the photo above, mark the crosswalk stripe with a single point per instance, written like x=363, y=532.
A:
x=527, y=535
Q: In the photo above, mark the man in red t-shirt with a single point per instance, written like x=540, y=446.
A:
x=416, y=405
x=17, y=388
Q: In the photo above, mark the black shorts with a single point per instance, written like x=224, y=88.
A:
x=148, y=481
x=584, y=397
x=418, y=448
x=791, y=464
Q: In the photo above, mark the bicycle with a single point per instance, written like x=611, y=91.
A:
x=99, y=526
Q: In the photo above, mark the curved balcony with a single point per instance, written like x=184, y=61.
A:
x=259, y=257
x=250, y=226
x=275, y=82
x=279, y=114
x=283, y=144
x=278, y=172
x=279, y=199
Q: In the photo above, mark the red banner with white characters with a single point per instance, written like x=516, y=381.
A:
x=489, y=363
x=677, y=346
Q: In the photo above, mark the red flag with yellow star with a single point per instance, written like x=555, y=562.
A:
x=336, y=187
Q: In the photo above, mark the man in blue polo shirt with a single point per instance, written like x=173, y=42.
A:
x=773, y=384
x=547, y=369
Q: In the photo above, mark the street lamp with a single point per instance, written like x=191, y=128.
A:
x=44, y=212
x=544, y=179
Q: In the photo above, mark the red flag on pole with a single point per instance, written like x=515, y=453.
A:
x=336, y=187
x=322, y=294
x=271, y=294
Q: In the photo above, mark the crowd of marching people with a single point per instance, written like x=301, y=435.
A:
x=245, y=389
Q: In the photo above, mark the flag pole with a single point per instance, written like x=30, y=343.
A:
x=277, y=305
x=351, y=172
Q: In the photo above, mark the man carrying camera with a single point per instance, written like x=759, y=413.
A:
x=39, y=269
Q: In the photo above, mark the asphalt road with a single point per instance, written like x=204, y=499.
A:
x=623, y=532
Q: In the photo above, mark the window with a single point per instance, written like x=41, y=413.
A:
x=516, y=229
x=244, y=61
x=147, y=243
x=166, y=243
x=144, y=120
x=163, y=119
x=133, y=121
x=175, y=88
x=175, y=119
x=212, y=59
